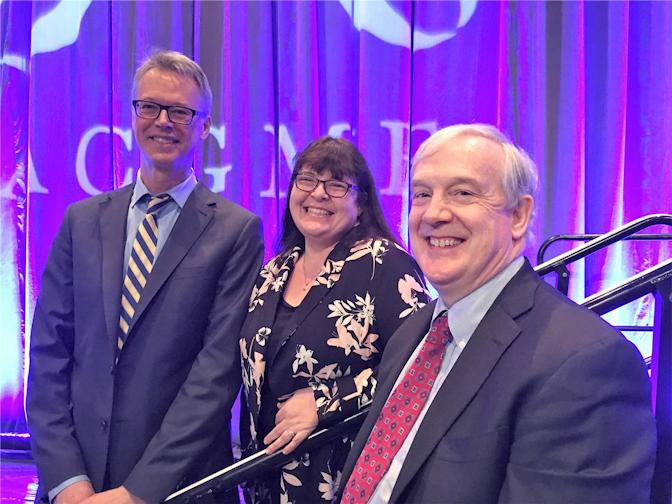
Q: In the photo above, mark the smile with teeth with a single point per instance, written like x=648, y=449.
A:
x=163, y=140
x=321, y=212
x=444, y=242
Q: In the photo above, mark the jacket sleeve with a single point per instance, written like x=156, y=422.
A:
x=589, y=434
x=48, y=404
x=395, y=291
x=203, y=404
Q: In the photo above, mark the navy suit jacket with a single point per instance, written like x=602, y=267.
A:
x=159, y=417
x=546, y=404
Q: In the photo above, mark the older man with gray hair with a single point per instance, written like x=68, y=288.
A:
x=133, y=351
x=502, y=390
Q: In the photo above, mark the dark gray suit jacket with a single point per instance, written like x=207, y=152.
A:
x=546, y=404
x=160, y=416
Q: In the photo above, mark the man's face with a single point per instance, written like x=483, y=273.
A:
x=461, y=232
x=168, y=146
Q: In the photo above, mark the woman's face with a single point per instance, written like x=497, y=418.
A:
x=323, y=219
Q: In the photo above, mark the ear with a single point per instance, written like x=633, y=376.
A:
x=206, y=127
x=521, y=216
x=360, y=208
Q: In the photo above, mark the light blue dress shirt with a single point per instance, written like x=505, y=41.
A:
x=463, y=319
x=166, y=220
x=167, y=215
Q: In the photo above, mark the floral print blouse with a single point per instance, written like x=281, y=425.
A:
x=332, y=343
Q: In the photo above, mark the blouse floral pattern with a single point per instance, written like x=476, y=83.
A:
x=332, y=343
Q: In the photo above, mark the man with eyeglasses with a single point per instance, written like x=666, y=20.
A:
x=133, y=369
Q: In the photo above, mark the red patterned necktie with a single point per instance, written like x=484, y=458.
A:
x=398, y=415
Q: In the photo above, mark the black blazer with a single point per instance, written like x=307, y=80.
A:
x=153, y=418
x=332, y=343
x=546, y=404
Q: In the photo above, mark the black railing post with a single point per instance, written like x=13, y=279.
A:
x=562, y=282
x=661, y=381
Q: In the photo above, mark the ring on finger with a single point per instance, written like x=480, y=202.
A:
x=290, y=433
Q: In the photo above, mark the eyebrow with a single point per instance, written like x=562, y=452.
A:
x=451, y=182
x=304, y=171
x=166, y=104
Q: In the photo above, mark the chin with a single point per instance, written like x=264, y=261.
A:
x=168, y=164
x=440, y=279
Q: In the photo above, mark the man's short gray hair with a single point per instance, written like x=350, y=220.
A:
x=178, y=63
x=520, y=173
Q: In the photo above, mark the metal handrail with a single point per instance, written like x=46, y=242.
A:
x=636, y=286
x=602, y=302
x=248, y=467
x=591, y=236
x=602, y=241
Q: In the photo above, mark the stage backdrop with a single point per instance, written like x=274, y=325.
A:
x=584, y=87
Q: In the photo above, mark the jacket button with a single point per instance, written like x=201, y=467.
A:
x=103, y=425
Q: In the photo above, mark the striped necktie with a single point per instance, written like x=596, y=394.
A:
x=401, y=410
x=140, y=264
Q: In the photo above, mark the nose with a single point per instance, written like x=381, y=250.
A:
x=319, y=191
x=437, y=212
x=163, y=119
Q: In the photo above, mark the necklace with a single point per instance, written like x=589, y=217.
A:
x=308, y=280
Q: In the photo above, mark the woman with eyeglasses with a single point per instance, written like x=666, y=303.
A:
x=319, y=317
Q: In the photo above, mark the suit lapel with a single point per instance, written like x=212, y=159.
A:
x=267, y=314
x=113, y=215
x=193, y=219
x=492, y=337
x=400, y=350
x=270, y=308
x=316, y=294
x=472, y=368
x=396, y=354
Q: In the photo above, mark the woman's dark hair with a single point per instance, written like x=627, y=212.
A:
x=343, y=161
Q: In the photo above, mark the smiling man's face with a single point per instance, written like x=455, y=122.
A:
x=166, y=146
x=462, y=232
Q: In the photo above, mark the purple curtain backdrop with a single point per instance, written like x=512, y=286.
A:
x=584, y=87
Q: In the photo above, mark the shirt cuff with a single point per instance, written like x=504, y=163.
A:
x=70, y=481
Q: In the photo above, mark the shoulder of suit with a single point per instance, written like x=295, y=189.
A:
x=565, y=315
x=94, y=201
x=221, y=203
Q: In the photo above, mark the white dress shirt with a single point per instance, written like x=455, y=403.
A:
x=463, y=318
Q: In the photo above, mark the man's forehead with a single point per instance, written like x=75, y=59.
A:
x=164, y=76
x=463, y=150
x=160, y=80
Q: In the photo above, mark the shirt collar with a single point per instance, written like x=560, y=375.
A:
x=465, y=315
x=179, y=193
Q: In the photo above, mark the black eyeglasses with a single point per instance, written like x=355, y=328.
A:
x=335, y=188
x=176, y=113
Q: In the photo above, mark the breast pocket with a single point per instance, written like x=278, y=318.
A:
x=482, y=446
x=464, y=469
x=191, y=272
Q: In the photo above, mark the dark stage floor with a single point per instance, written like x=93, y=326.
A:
x=18, y=480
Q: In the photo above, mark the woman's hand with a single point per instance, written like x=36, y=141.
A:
x=295, y=420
